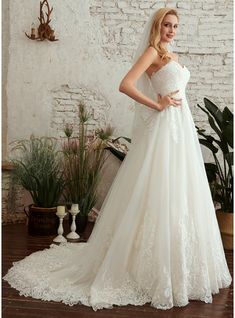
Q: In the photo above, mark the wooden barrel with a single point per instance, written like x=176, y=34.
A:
x=42, y=221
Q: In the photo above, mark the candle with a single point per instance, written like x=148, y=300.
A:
x=61, y=210
x=74, y=208
x=52, y=35
x=33, y=33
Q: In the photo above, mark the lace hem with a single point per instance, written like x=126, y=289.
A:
x=37, y=284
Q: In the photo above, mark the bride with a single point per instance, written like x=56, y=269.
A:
x=156, y=239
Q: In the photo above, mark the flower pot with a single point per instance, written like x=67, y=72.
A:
x=42, y=221
x=81, y=222
x=225, y=221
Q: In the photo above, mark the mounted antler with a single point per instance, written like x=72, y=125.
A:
x=44, y=29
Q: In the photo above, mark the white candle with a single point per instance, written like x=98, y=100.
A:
x=74, y=208
x=61, y=210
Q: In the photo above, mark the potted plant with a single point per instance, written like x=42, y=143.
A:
x=37, y=167
x=84, y=157
x=220, y=172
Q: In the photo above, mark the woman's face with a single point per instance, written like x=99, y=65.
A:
x=168, y=28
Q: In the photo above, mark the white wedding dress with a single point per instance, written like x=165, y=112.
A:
x=156, y=238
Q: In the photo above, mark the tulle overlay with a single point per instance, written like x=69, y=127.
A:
x=156, y=238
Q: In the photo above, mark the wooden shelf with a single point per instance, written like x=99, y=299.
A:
x=7, y=166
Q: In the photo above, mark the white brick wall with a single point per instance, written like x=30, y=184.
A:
x=203, y=42
x=65, y=108
x=97, y=40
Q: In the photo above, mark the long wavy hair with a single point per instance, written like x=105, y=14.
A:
x=155, y=33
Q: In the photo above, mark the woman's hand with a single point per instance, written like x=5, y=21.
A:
x=168, y=100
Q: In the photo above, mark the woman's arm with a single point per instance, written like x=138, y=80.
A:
x=127, y=85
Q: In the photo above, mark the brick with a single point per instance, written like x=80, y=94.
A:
x=109, y=22
x=222, y=49
x=122, y=4
x=220, y=12
x=133, y=17
x=196, y=5
x=132, y=11
x=182, y=49
x=222, y=74
x=158, y=4
x=111, y=10
x=212, y=60
x=208, y=6
x=228, y=36
x=202, y=50
x=211, y=44
x=222, y=87
x=135, y=4
x=205, y=74
x=63, y=95
x=109, y=3
x=129, y=31
x=183, y=5
x=119, y=16
x=228, y=61
x=145, y=5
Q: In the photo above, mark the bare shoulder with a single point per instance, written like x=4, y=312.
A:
x=151, y=51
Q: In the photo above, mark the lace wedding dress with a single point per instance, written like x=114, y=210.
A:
x=156, y=238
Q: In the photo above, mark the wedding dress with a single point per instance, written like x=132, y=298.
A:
x=156, y=238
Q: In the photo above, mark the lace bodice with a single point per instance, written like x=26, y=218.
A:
x=172, y=76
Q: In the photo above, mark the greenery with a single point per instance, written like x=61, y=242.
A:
x=220, y=175
x=83, y=161
x=38, y=169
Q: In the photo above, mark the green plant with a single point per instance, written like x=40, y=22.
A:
x=83, y=161
x=38, y=169
x=220, y=175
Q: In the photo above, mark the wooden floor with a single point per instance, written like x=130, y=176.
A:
x=17, y=244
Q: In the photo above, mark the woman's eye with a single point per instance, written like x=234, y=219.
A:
x=175, y=26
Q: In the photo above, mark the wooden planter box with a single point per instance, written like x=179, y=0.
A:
x=225, y=221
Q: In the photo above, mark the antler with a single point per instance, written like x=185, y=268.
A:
x=44, y=29
x=42, y=18
x=49, y=11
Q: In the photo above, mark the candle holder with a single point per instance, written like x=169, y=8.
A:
x=74, y=211
x=60, y=238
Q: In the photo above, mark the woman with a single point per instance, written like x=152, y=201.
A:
x=156, y=238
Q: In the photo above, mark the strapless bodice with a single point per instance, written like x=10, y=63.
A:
x=171, y=77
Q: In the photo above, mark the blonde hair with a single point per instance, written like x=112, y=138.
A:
x=155, y=36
